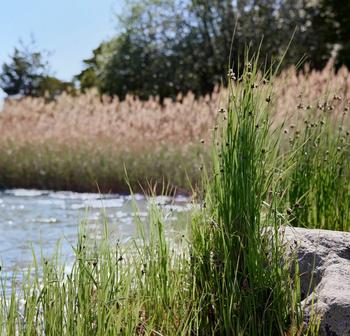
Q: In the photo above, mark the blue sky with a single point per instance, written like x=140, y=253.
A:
x=68, y=29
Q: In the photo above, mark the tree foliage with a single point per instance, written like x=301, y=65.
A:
x=27, y=74
x=167, y=47
x=22, y=75
x=335, y=16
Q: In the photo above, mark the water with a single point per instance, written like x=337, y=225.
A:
x=35, y=220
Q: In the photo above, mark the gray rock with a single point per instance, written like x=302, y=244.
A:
x=324, y=266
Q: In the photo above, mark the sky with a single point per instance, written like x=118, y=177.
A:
x=68, y=29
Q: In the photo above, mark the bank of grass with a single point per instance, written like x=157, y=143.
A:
x=80, y=142
x=111, y=289
x=99, y=168
x=318, y=182
x=227, y=275
x=244, y=286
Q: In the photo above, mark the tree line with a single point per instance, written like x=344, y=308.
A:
x=166, y=47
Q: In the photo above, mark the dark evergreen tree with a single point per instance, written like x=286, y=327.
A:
x=27, y=74
x=23, y=73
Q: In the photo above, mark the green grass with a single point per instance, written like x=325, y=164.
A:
x=318, y=184
x=86, y=168
x=227, y=273
x=110, y=290
x=245, y=288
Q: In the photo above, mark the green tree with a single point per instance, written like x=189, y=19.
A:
x=166, y=47
x=89, y=77
x=27, y=74
x=23, y=73
x=51, y=87
x=335, y=15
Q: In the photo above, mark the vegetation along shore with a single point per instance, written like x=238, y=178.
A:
x=185, y=165
x=228, y=273
x=85, y=142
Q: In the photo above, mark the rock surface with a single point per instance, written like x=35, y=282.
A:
x=324, y=266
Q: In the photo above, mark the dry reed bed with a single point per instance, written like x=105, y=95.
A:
x=130, y=124
x=86, y=140
x=133, y=124
x=326, y=91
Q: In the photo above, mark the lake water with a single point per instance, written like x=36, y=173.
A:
x=34, y=220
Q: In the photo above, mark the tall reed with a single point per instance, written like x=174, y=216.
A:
x=78, y=142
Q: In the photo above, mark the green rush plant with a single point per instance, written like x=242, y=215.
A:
x=111, y=289
x=242, y=284
x=318, y=184
x=230, y=275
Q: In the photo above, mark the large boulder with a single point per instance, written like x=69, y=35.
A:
x=324, y=266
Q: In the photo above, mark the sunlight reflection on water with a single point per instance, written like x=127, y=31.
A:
x=35, y=220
